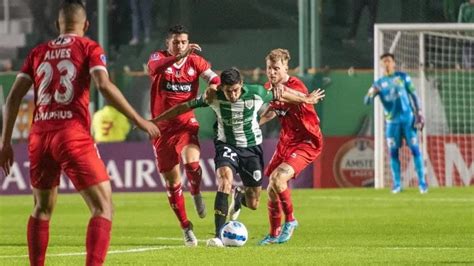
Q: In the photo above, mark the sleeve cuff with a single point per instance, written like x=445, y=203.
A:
x=103, y=68
x=24, y=75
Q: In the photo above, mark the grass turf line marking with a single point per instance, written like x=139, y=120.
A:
x=133, y=250
x=393, y=198
x=175, y=239
x=145, y=249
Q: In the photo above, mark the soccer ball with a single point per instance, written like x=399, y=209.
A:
x=234, y=234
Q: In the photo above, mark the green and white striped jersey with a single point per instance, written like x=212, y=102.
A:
x=237, y=122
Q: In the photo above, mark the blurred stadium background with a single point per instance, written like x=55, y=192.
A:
x=237, y=33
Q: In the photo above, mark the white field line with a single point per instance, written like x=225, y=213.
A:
x=395, y=198
x=133, y=250
x=146, y=249
x=175, y=239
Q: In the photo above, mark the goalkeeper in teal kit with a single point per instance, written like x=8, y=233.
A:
x=403, y=118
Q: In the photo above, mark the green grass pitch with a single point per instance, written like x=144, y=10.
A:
x=337, y=226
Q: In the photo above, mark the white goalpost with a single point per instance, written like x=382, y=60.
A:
x=440, y=59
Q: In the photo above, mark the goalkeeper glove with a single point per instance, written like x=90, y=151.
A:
x=419, y=121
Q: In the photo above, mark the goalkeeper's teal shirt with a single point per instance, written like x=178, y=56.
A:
x=395, y=92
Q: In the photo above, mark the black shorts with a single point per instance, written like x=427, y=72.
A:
x=247, y=162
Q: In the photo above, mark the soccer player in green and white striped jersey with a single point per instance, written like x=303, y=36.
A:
x=238, y=138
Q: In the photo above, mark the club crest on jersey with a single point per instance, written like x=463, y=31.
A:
x=397, y=80
x=154, y=57
x=191, y=71
x=169, y=70
x=249, y=104
x=257, y=175
x=103, y=58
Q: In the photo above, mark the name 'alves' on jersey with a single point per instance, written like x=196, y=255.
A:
x=237, y=122
x=393, y=92
x=60, y=70
x=175, y=84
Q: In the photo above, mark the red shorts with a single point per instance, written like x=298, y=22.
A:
x=71, y=150
x=168, y=147
x=297, y=155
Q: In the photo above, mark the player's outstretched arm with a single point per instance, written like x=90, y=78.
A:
x=173, y=112
x=117, y=100
x=267, y=115
x=12, y=105
x=371, y=93
x=181, y=109
x=293, y=96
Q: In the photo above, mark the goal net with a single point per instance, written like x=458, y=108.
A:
x=440, y=60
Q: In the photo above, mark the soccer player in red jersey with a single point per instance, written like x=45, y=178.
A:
x=300, y=143
x=60, y=72
x=175, y=79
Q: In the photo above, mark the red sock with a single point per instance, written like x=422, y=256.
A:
x=176, y=199
x=287, y=205
x=97, y=240
x=194, y=174
x=274, y=215
x=38, y=236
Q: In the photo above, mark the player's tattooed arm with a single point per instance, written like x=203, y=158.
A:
x=267, y=115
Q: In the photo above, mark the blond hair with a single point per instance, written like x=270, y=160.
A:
x=279, y=54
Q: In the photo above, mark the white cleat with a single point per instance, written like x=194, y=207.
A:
x=190, y=239
x=233, y=211
x=215, y=242
x=234, y=215
x=423, y=188
x=199, y=205
x=396, y=190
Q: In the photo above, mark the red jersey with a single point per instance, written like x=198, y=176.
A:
x=299, y=122
x=173, y=84
x=60, y=70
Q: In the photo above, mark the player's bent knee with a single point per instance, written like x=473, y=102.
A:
x=224, y=178
x=43, y=211
x=104, y=209
x=225, y=187
x=271, y=193
x=278, y=186
x=278, y=182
